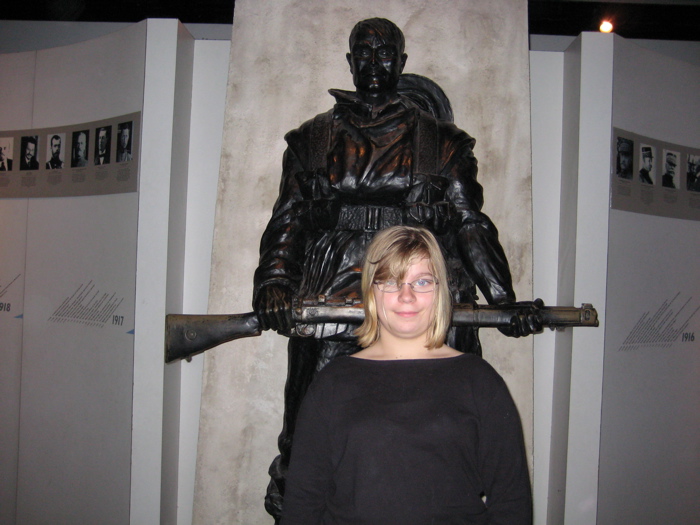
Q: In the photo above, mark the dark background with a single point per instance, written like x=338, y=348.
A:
x=657, y=19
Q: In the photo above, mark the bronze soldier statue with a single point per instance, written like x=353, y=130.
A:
x=375, y=160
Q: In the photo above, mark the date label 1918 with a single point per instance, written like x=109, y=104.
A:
x=5, y=307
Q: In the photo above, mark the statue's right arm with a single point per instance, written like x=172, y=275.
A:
x=273, y=305
x=279, y=270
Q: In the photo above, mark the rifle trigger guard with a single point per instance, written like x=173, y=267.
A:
x=305, y=330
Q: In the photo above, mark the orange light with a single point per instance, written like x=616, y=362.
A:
x=606, y=27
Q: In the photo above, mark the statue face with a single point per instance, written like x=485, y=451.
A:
x=375, y=64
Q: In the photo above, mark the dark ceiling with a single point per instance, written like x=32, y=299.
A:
x=670, y=20
x=657, y=21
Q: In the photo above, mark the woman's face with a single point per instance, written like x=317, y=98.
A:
x=407, y=314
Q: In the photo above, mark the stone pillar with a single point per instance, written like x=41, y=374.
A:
x=285, y=55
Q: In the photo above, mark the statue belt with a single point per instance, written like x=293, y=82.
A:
x=355, y=217
x=331, y=215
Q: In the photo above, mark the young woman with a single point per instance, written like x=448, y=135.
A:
x=408, y=430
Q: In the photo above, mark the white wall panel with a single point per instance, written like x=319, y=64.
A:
x=13, y=236
x=17, y=90
x=97, y=79
x=650, y=422
x=210, y=78
x=75, y=435
x=546, y=84
x=74, y=459
x=151, y=269
x=589, y=258
x=16, y=104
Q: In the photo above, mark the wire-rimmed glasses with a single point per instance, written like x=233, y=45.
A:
x=422, y=285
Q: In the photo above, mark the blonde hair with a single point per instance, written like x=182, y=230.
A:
x=388, y=256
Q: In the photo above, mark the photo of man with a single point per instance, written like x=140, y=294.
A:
x=6, y=144
x=103, y=145
x=646, y=174
x=28, y=159
x=693, y=173
x=124, y=142
x=55, y=152
x=81, y=141
x=668, y=180
x=624, y=158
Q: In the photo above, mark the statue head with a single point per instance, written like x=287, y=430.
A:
x=382, y=27
x=376, y=59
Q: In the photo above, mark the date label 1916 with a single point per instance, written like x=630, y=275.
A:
x=687, y=337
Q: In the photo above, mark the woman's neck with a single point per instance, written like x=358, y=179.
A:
x=388, y=348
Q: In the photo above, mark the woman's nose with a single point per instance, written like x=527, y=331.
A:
x=406, y=293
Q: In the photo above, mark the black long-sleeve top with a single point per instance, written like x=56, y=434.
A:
x=410, y=442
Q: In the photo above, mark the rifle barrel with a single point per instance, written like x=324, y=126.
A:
x=189, y=335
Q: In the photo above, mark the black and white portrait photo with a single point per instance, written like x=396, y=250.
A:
x=124, y=142
x=103, y=143
x=55, y=151
x=670, y=178
x=6, y=144
x=646, y=161
x=81, y=142
x=693, y=173
x=29, y=152
x=625, y=147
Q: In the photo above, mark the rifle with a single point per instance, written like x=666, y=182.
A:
x=189, y=335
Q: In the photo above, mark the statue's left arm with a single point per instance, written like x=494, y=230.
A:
x=476, y=235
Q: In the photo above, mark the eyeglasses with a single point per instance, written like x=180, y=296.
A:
x=422, y=285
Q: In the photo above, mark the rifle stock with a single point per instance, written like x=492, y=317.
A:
x=189, y=335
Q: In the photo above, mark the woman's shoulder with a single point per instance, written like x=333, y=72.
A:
x=477, y=366
x=338, y=369
x=340, y=378
x=481, y=379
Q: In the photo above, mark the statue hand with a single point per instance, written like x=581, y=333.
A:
x=526, y=319
x=273, y=306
